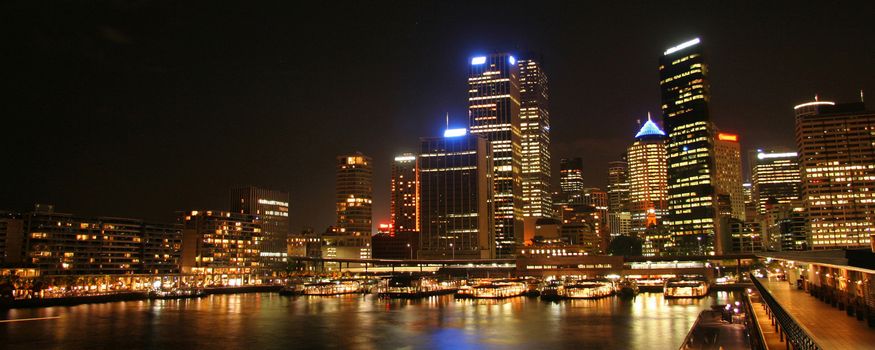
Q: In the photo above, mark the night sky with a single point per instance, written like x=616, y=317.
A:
x=145, y=108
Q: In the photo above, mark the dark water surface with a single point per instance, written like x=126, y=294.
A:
x=271, y=321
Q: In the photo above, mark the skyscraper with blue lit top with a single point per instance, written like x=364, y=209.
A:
x=494, y=113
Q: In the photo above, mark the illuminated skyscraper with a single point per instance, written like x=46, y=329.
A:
x=571, y=179
x=648, y=178
x=405, y=194
x=618, y=186
x=456, y=189
x=221, y=243
x=837, y=159
x=775, y=177
x=354, y=194
x=494, y=113
x=535, y=129
x=692, y=211
x=727, y=177
x=272, y=208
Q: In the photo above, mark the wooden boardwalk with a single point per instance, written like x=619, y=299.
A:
x=828, y=326
x=770, y=335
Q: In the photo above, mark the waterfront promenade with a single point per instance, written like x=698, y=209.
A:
x=830, y=327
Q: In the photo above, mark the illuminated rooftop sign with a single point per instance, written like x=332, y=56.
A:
x=511, y=59
x=727, y=137
x=478, y=60
x=455, y=132
x=762, y=155
x=682, y=46
x=815, y=103
x=405, y=158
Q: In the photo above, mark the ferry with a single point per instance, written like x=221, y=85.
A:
x=292, y=289
x=686, y=287
x=332, y=288
x=650, y=284
x=177, y=293
x=492, y=289
x=588, y=289
x=553, y=290
x=411, y=287
x=628, y=287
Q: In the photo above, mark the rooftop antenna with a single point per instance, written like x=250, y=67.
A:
x=448, y=120
x=815, y=97
x=861, y=96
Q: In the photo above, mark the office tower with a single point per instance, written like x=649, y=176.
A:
x=581, y=226
x=535, y=130
x=571, y=179
x=65, y=244
x=837, y=161
x=272, y=209
x=784, y=226
x=750, y=206
x=494, y=113
x=648, y=178
x=221, y=243
x=620, y=224
x=727, y=175
x=456, y=211
x=354, y=194
x=684, y=88
x=775, y=177
x=745, y=236
x=618, y=186
x=405, y=194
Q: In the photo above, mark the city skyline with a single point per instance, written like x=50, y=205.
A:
x=103, y=178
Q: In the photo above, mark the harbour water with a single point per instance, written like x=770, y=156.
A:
x=271, y=321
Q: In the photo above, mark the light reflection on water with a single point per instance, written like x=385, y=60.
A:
x=361, y=322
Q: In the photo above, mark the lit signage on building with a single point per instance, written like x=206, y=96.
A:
x=761, y=155
x=727, y=137
x=511, y=59
x=478, y=60
x=455, y=132
x=405, y=158
x=685, y=45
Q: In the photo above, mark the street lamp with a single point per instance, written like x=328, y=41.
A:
x=411, y=251
x=700, y=245
x=454, y=251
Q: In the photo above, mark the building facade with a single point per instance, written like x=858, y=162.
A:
x=837, y=160
x=571, y=180
x=775, y=177
x=221, y=243
x=692, y=214
x=355, y=194
x=65, y=244
x=272, y=208
x=456, y=189
x=648, y=178
x=494, y=113
x=405, y=194
x=727, y=175
x=535, y=132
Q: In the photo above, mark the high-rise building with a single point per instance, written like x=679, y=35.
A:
x=456, y=191
x=221, y=243
x=581, y=226
x=65, y=244
x=494, y=113
x=11, y=238
x=692, y=214
x=571, y=179
x=272, y=208
x=535, y=130
x=648, y=178
x=727, y=175
x=354, y=194
x=405, y=194
x=618, y=186
x=774, y=177
x=837, y=160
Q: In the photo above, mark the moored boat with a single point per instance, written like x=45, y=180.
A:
x=686, y=287
x=492, y=289
x=588, y=289
x=628, y=287
x=332, y=288
x=410, y=287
